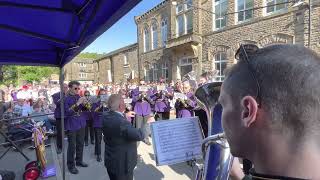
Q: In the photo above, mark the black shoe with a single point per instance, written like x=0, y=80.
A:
x=59, y=151
x=82, y=164
x=86, y=143
x=99, y=158
x=73, y=170
x=92, y=142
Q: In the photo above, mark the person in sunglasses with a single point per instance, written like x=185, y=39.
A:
x=75, y=124
x=89, y=128
x=271, y=116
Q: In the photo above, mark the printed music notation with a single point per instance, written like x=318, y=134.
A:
x=177, y=140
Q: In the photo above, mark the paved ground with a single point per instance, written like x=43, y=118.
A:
x=145, y=170
x=14, y=161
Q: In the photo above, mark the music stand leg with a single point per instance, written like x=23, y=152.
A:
x=14, y=145
x=5, y=152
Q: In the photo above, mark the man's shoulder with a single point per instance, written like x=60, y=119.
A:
x=111, y=115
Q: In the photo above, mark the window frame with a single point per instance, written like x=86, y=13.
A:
x=186, y=9
x=125, y=59
x=164, y=31
x=82, y=64
x=146, y=39
x=165, y=70
x=220, y=76
x=265, y=2
x=83, y=75
x=154, y=31
x=189, y=62
x=214, y=15
x=245, y=8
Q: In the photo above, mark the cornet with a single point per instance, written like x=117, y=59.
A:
x=216, y=151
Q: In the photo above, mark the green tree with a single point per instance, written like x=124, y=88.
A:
x=35, y=73
x=9, y=75
x=89, y=55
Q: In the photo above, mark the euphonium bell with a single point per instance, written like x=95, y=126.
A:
x=216, y=151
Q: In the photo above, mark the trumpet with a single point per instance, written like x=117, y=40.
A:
x=216, y=151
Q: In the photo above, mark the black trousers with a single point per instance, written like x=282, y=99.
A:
x=113, y=176
x=59, y=133
x=98, y=137
x=162, y=116
x=75, y=146
x=89, y=131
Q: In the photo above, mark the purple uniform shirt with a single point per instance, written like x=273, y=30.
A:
x=74, y=121
x=187, y=112
x=161, y=103
x=142, y=108
x=56, y=101
x=97, y=116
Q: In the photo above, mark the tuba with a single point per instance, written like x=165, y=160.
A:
x=216, y=152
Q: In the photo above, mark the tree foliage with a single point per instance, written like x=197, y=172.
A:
x=89, y=55
x=35, y=73
x=11, y=74
x=14, y=74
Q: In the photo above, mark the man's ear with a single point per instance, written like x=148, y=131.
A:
x=249, y=110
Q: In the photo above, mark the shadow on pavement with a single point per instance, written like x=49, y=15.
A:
x=181, y=169
x=147, y=171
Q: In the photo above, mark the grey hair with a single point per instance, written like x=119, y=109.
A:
x=114, y=102
x=289, y=77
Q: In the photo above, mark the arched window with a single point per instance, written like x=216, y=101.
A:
x=220, y=64
x=154, y=33
x=164, y=31
x=146, y=39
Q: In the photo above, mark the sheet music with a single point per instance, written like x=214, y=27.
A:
x=180, y=96
x=127, y=101
x=161, y=88
x=176, y=141
x=143, y=88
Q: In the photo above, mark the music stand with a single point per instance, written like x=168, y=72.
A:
x=12, y=145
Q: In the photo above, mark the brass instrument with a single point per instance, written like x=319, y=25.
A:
x=216, y=151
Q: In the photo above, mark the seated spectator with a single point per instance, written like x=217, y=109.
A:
x=23, y=108
x=41, y=117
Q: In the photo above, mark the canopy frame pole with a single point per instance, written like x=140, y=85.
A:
x=62, y=95
x=86, y=26
x=11, y=4
x=36, y=35
x=84, y=7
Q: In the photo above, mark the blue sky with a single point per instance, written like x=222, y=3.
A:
x=124, y=32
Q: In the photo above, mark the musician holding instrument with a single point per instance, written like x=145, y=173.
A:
x=143, y=111
x=57, y=115
x=89, y=132
x=185, y=107
x=162, y=105
x=270, y=101
x=98, y=108
x=75, y=124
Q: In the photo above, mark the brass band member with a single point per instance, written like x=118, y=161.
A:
x=89, y=128
x=75, y=124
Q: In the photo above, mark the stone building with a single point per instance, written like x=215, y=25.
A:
x=176, y=37
x=118, y=66
x=80, y=69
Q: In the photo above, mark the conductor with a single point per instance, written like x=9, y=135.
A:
x=120, y=139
